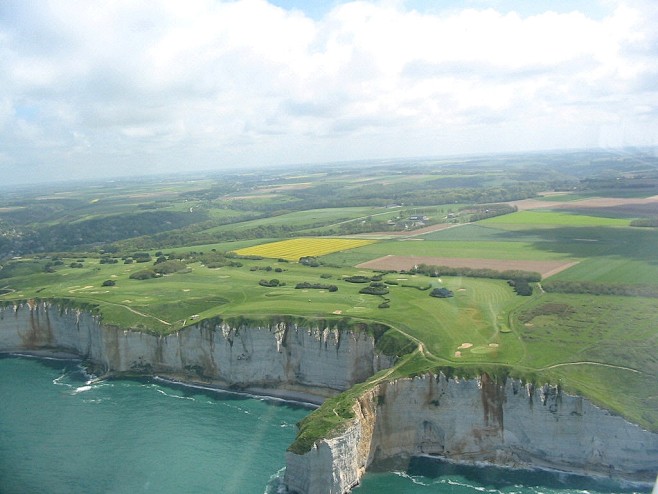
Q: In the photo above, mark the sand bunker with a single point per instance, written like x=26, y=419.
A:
x=463, y=346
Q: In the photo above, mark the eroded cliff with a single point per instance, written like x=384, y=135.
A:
x=282, y=358
x=467, y=420
x=508, y=424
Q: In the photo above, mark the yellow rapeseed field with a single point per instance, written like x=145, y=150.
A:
x=293, y=249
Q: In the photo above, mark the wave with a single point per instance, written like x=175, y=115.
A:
x=236, y=393
x=275, y=485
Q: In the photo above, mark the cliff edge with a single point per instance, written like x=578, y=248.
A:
x=505, y=423
x=306, y=361
x=475, y=420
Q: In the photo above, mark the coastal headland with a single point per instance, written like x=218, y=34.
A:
x=479, y=418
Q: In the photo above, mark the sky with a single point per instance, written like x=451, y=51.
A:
x=126, y=87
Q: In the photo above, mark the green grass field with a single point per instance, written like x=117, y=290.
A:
x=594, y=344
x=551, y=218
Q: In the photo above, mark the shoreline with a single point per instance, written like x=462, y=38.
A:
x=304, y=400
x=300, y=398
x=264, y=371
x=296, y=398
x=632, y=484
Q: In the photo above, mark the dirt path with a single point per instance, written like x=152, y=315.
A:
x=589, y=362
x=138, y=313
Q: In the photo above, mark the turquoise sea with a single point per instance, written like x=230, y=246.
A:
x=60, y=434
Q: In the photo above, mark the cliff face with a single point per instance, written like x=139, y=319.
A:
x=470, y=420
x=476, y=420
x=278, y=359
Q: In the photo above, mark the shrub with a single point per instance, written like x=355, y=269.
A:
x=358, y=279
x=109, y=283
x=141, y=257
x=375, y=288
x=521, y=287
x=645, y=222
x=168, y=267
x=441, y=293
x=272, y=283
x=144, y=274
x=309, y=261
x=316, y=286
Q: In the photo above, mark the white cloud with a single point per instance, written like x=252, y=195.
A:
x=113, y=84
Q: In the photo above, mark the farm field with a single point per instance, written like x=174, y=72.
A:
x=452, y=249
x=310, y=218
x=293, y=250
x=552, y=218
x=601, y=199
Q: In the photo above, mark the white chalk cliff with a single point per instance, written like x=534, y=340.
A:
x=280, y=359
x=469, y=420
x=508, y=424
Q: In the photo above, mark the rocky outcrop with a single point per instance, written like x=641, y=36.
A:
x=508, y=424
x=312, y=362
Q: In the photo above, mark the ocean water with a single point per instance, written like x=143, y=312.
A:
x=61, y=434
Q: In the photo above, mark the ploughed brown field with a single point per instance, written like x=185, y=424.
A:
x=591, y=203
x=400, y=263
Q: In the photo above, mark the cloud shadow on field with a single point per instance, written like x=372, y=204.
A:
x=629, y=243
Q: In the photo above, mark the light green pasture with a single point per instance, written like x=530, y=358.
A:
x=552, y=218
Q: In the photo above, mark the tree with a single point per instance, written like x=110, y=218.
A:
x=441, y=293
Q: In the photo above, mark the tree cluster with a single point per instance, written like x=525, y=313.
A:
x=645, y=222
x=594, y=288
x=485, y=211
x=375, y=288
x=358, y=279
x=271, y=283
x=442, y=293
x=521, y=287
x=317, y=286
x=510, y=274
